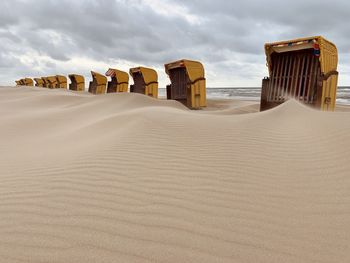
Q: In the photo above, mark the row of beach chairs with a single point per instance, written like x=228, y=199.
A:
x=304, y=69
x=188, y=84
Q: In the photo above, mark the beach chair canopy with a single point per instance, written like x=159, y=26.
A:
x=98, y=83
x=119, y=81
x=77, y=82
x=304, y=69
x=188, y=84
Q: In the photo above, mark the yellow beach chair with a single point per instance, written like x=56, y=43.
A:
x=98, y=83
x=119, y=81
x=28, y=82
x=39, y=82
x=145, y=81
x=77, y=82
x=61, y=82
x=188, y=84
x=304, y=69
x=52, y=82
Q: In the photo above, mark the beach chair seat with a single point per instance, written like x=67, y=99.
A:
x=303, y=69
x=77, y=82
x=145, y=81
x=98, y=83
x=119, y=81
x=188, y=83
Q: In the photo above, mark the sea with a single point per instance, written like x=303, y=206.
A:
x=343, y=94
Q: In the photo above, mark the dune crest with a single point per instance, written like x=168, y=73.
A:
x=127, y=178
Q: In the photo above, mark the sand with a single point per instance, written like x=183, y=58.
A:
x=127, y=178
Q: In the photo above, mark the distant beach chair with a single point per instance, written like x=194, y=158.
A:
x=61, y=82
x=98, y=83
x=119, y=81
x=145, y=81
x=45, y=82
x=304, y=69
x=77, y=82
x=39, y=82
x=52, y=82
x=188, y=84
x=28, y=82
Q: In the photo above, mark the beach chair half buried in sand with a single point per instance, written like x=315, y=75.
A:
x=98, y=83
x=39, y=82
x=28, y=82
x=188, y=84
x=119, y=81
x=304, y=69
x=61, y=82
x=145, y=81
x=77, y=82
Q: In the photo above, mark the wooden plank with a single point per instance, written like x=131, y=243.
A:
x=272, y=80
x=276, y=72
x=288, y=77
x=306, y=75
x=296, y=76
x=280, y=77
x=292, y=77
x=301, y=77
x=285, y=78
x=311, y=75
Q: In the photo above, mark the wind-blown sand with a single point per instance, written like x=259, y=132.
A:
x=127, y=178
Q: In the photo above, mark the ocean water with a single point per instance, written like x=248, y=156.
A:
x=343, y=94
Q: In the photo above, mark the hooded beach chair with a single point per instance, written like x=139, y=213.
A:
x=61, y=82
x=119, y=81
x=39, y=82
x=77, y=82
x=145, y=81
x=188, y=84
x=52, y=82
x=28, y=82
x=304, y=69
x=98, y=83
x=45, y=82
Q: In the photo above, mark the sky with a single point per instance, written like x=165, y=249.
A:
x=49, y=37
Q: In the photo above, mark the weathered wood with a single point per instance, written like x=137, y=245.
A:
x=288, y=82
x=272, y=80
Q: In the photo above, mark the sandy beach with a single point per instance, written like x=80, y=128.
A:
x=128, y=178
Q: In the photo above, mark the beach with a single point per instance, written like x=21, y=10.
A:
x=129, y=178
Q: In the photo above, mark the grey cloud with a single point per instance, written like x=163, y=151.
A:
x=228, y=36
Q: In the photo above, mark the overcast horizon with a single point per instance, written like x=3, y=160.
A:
x=41, y=38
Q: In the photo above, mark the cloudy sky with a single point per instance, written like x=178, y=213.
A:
x=46, y=37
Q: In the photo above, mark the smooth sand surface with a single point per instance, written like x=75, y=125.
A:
x=127, y=178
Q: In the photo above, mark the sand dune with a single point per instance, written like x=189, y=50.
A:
x=127, y=178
